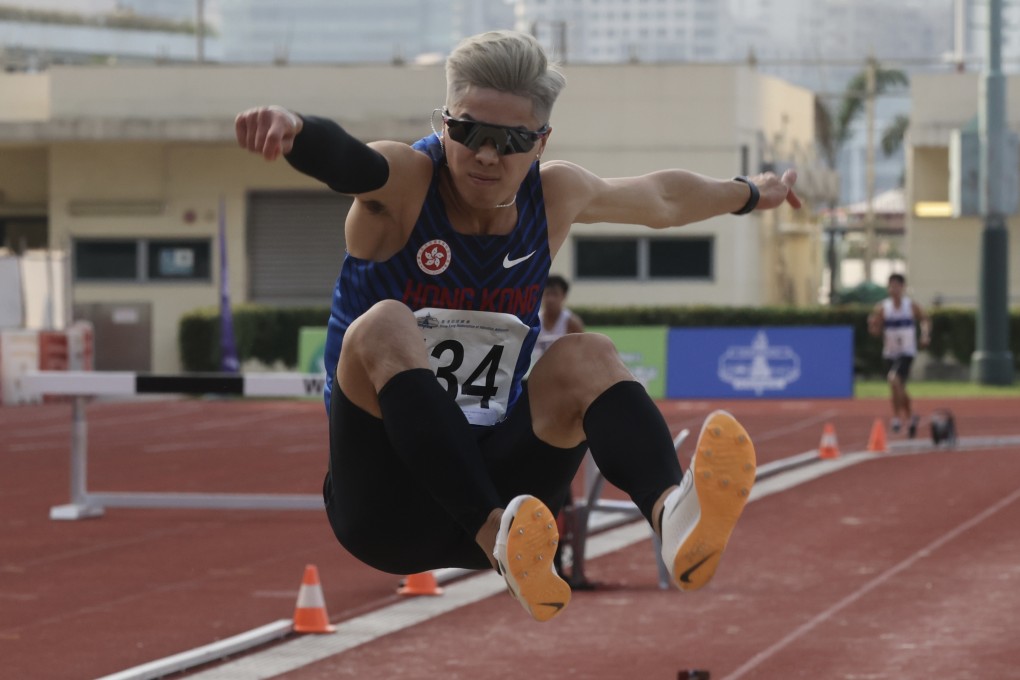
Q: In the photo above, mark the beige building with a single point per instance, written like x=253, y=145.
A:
x=126, y=168
x=944, y=252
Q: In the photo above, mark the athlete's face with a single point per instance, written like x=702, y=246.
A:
x=895, y=289
x=484, y=177
x=553, y=298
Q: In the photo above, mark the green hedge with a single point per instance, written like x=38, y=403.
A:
x=270, y=334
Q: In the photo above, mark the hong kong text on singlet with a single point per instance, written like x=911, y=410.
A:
x=476, y=298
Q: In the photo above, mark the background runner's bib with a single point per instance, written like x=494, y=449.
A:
x=899, y=333
x=473, y=355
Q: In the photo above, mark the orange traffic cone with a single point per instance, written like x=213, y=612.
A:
x=420, y=584
x=829, y=447
x=310, y=613
x=876, y=442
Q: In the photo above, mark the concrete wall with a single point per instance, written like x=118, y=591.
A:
x=116, y=136
x=944, y=253
x=24, y=180
x=185, y=179
x=24, y=97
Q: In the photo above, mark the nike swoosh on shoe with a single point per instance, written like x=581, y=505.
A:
x=525, y=546
x=686, y=576
x=700, y=515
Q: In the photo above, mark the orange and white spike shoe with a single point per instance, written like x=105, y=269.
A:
x=698, y=516
x=525, y=547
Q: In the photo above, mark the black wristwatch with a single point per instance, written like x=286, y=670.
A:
x=752, y=201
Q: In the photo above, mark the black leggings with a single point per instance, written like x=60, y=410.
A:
x=901, y=365
x=384, y=515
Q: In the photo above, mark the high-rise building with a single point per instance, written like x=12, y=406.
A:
x=822, y=44
x=34, y=36
x=973, y=17
x=331, y=31
x=178, y=10
x=624, y=30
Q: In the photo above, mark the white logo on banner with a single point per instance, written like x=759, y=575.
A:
x=759, y=366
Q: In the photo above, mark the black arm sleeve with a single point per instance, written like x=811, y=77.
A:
x=325, y=151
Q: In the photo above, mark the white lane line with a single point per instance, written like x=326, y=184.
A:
x=302, y=651
x=795, y=426
x=758, y=659
x=210, y=652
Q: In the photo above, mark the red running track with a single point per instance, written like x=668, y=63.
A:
x=899, y=567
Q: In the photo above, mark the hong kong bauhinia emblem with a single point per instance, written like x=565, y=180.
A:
x=434, y=257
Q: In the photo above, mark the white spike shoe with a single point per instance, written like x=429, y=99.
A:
x=525, y=546
x=698, y=516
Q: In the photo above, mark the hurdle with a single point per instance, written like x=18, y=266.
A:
x=581, y=512
x=79, y=385
x=84, y=504
x=579, y=518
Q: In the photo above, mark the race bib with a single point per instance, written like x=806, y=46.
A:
x=473, y=355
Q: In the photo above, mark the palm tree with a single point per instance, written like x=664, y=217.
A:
x=856, y=94
x=893, y=136
x=833, y=131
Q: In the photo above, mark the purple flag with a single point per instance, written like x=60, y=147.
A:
x=228, y=348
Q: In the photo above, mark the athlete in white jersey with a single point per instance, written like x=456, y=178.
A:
x=896, y=319
x=557, y=320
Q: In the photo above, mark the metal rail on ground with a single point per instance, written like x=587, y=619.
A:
x=83, y=384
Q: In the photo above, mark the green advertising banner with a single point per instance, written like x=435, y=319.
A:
x=643, y=350
x=311, y=348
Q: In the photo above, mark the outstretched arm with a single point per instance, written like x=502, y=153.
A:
x=318, y=147
x=667, y=198
x=388, y=179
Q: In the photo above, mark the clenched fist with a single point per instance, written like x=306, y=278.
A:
x=267, y=130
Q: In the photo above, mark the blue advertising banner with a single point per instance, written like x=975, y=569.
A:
x=760, y=362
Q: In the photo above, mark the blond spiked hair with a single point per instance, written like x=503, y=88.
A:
x=506, y=61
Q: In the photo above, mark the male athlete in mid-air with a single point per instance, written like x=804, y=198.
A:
x=439, y=456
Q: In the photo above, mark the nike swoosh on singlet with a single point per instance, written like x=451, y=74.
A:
x=507, y=262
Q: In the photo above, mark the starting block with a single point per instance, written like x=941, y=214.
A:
x=943, y=427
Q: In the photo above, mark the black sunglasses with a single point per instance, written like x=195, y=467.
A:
x=507, y=140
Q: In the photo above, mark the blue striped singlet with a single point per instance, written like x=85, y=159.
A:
x=491, y=277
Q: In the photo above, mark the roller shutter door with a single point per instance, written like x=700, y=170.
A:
x=295, y=245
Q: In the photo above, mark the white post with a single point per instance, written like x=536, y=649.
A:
x=79, y=508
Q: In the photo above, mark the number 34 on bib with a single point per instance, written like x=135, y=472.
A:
x=473, y=355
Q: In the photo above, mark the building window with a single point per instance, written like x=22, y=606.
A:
x=680, y=258
x=178, y=260
x=644, y=259
x=140, y=260
x=606, y=258
x=108, y=260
